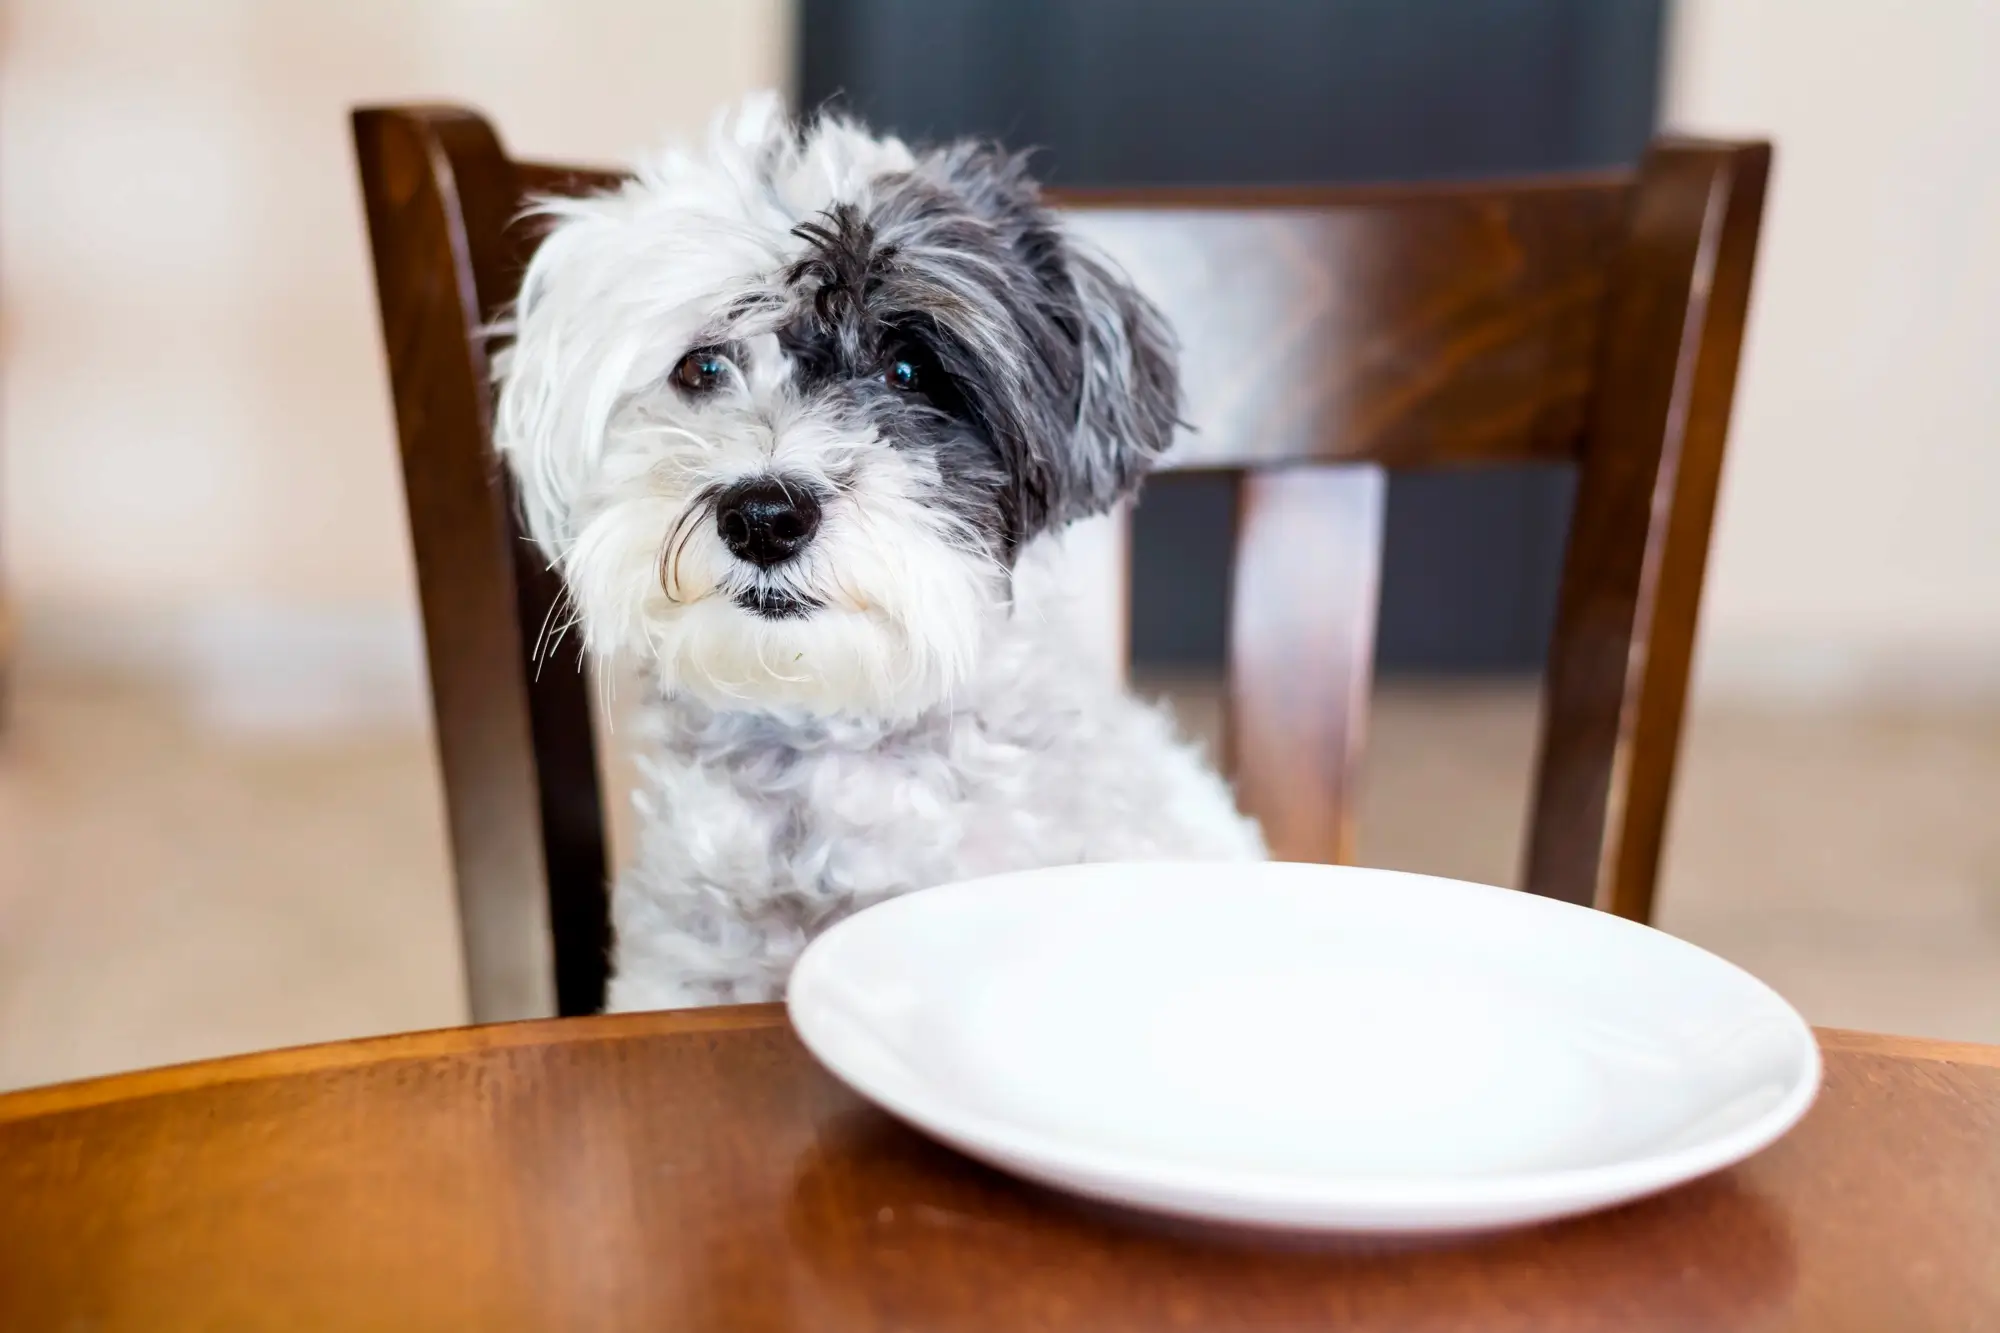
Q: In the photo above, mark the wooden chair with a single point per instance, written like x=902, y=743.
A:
x=1592, y=321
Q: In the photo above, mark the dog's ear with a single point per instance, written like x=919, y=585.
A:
x=1068, y=369
x=1129, y=397
x=1117, y=367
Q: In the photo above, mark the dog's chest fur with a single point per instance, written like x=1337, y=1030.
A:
x=759, y=831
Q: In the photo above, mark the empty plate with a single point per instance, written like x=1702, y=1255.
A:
x=1304, y=1047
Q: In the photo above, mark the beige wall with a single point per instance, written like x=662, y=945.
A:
x=197, y=449
x=1858, y=547
x=197, y=444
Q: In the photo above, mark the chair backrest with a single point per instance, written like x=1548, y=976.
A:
x=1593, y=321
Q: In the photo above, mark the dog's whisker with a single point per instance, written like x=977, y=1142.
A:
x=536, y=653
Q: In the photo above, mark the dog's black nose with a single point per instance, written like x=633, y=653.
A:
x=766, y=521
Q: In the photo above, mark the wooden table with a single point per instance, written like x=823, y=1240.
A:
x=697, y=1171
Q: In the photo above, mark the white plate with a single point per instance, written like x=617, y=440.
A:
x=1304, y=1047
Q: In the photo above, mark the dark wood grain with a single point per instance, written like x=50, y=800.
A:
x=1593, y=320
x=1419, y=329
x=6, y=663
x=513, y=725
x=1638, y=545
x=697, y=1171
x=546, y=179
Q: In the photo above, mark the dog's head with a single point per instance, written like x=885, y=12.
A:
x=784, y=412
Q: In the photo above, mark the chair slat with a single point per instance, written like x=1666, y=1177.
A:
x=514, y=737
x=1638, y=545
x=1302, y=649
x=548, y=178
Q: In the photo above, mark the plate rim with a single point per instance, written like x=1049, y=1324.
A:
x=1243, y=1193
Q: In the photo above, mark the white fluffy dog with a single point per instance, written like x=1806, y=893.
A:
x=787, y=414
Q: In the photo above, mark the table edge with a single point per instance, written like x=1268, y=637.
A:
x=53, y=1099
x=1845, y=1041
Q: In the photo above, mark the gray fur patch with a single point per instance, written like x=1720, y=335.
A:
x=1047, y=385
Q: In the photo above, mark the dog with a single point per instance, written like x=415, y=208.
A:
x=793, y=417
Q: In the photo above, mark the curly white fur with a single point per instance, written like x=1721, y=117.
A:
x=886, y=709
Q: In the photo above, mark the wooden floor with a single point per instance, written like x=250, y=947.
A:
x=168, y=891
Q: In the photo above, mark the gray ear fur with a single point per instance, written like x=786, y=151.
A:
x=1131, y=386
x=1066, y=367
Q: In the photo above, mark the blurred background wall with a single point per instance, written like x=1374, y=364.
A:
x=199, y=461
x=1857, y=552
x=197, y=453
x=197, y=450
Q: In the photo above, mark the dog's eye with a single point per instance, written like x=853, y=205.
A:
x=902, y=374
x=704, y=370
